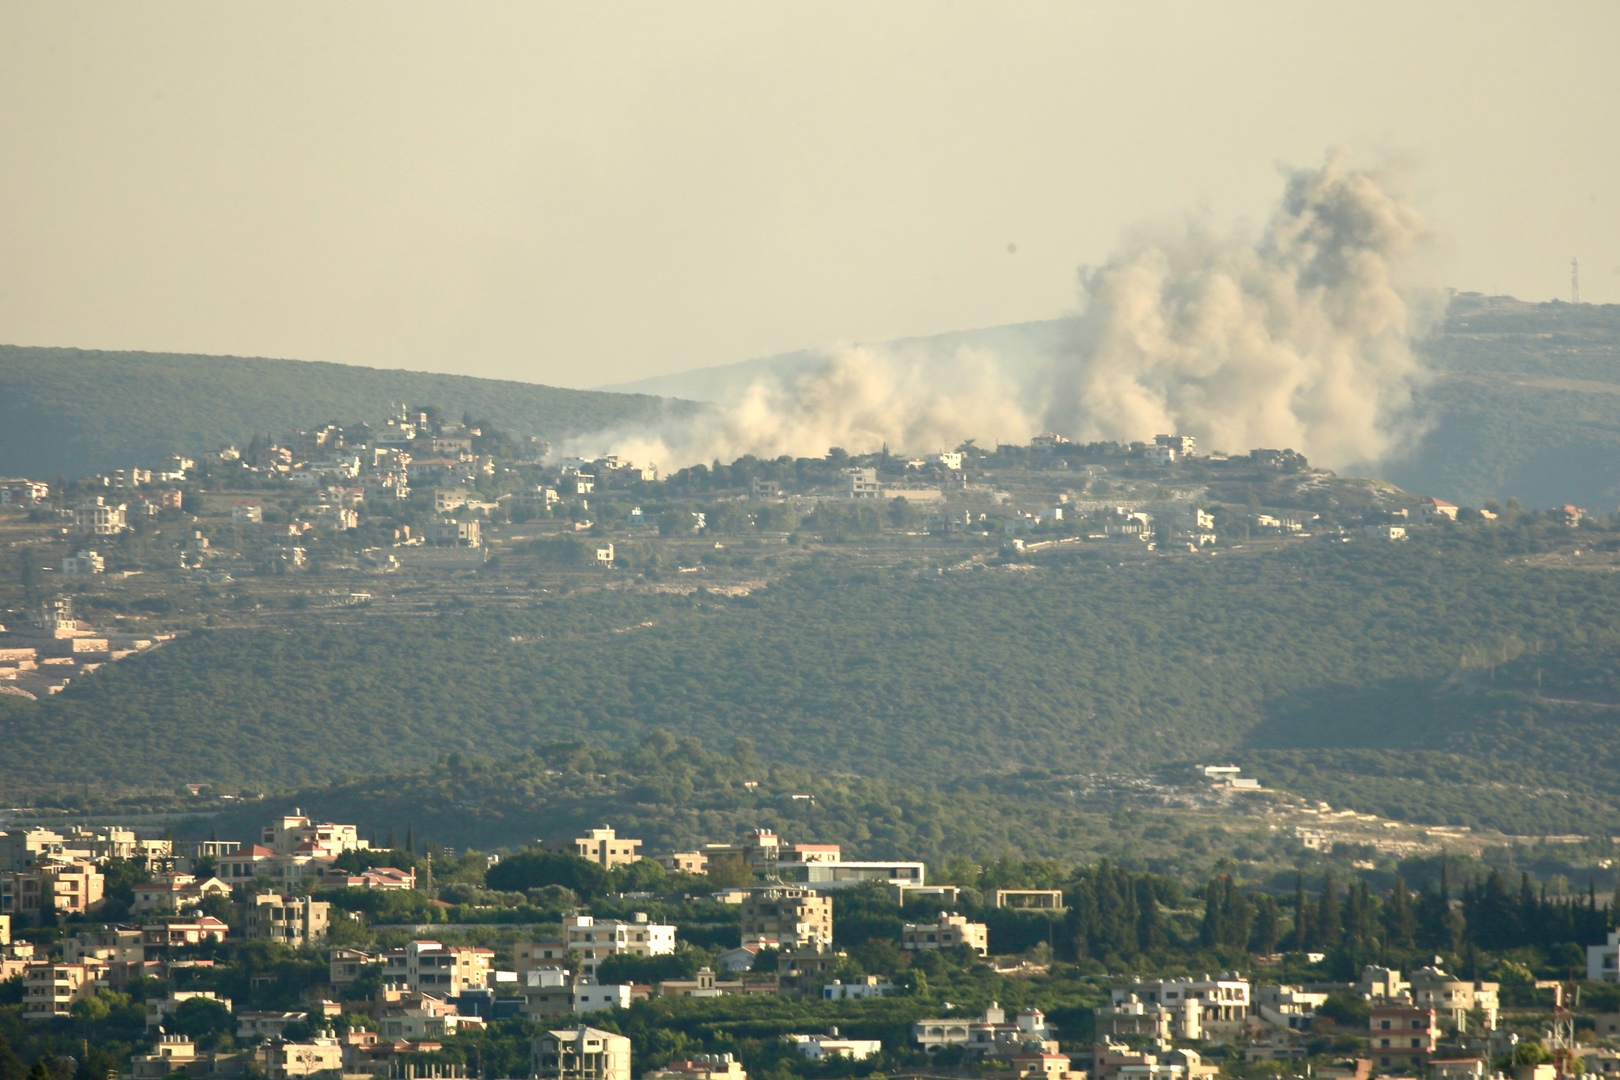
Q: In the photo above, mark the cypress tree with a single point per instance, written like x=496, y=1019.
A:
x=1302, y=917
x=1328, y=927
x=1210, y=934
x=1400, y=922
x=1267, y=926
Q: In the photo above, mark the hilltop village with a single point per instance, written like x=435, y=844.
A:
x=361, y=516
x=307, y=950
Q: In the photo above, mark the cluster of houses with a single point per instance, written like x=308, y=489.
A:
x=345, y=469
x=50, y=650
x=1430, y=1023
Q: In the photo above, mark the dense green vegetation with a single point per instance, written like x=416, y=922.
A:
x=1418, y=657
x=68, y=412
x=1523, y=405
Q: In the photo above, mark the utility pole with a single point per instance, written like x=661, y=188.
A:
x=1575, y=281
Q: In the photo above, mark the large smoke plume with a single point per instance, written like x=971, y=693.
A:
x=1299, y=338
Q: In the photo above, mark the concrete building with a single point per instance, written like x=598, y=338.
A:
x=701, y=1067
x=862, y=484
x=607, y=847
x=1402, y=1036
x=1223, y=1000
x=455, y=534
x=291, y=920
x=1454, y=999
x=993, y=1034
x=835, y=873
x=296, y=834
x=871, y=986
x=67, y=888
x=594, y=940
x=171, y=892
x=98, y=517
x=1291, y=1007
x=530, y=955
x=833, y=1045
x=84, y=562
x=1602, y=961
x=592, y=996
x=793, y=917
x=582, y=1053
x=429, y=967
x=946, y=932
x=1030, y=899
x=299, y=1060
x=685, y=862
x=1154, y=1020
x=49, y=990
x=345, y=966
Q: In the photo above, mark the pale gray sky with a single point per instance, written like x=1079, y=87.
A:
x=580, y=194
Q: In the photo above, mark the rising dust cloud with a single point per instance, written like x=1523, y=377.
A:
x=1298, y=338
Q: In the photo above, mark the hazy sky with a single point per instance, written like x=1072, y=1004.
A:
x=581, y=194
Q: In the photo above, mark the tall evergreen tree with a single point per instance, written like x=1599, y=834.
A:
x=1329, y=928
x=1267, y=926
x=1302, y=916
x=1400, y=920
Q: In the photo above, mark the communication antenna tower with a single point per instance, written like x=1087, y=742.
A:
x=1575, y=281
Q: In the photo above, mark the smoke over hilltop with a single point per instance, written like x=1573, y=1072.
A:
x=1298, y=339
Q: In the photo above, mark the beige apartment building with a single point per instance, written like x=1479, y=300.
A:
x=606, y=847
x=430, y=967
x=49, y=990
x=582, y=1053
x=539, y=953
x=791, y=916
x=1453, y=999
x=946, y=932
x=74, y=888
x=291, y=920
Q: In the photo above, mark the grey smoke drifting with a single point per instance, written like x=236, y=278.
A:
x=1299, y=339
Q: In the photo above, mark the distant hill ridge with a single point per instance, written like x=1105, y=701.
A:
x=73, y=411
x=1525, y=402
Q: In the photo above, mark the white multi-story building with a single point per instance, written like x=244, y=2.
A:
x=296, y=834
x=1223, y=1000
x=594, y=940
x=99, y=517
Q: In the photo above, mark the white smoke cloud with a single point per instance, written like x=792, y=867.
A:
x=858, y=398
x=1299, y=339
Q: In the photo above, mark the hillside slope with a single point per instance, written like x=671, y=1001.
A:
x=69, y=412
x=1079, y=666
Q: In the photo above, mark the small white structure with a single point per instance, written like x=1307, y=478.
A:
x=592, y=996
x=869, y=987
x=1603, y=961
x=85, y=562
x=816, y=1047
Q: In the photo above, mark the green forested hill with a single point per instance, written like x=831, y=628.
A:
x=1087, y=664
x=1524, y=403
x=69, y=412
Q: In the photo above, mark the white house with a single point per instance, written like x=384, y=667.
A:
x=816, y=1047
